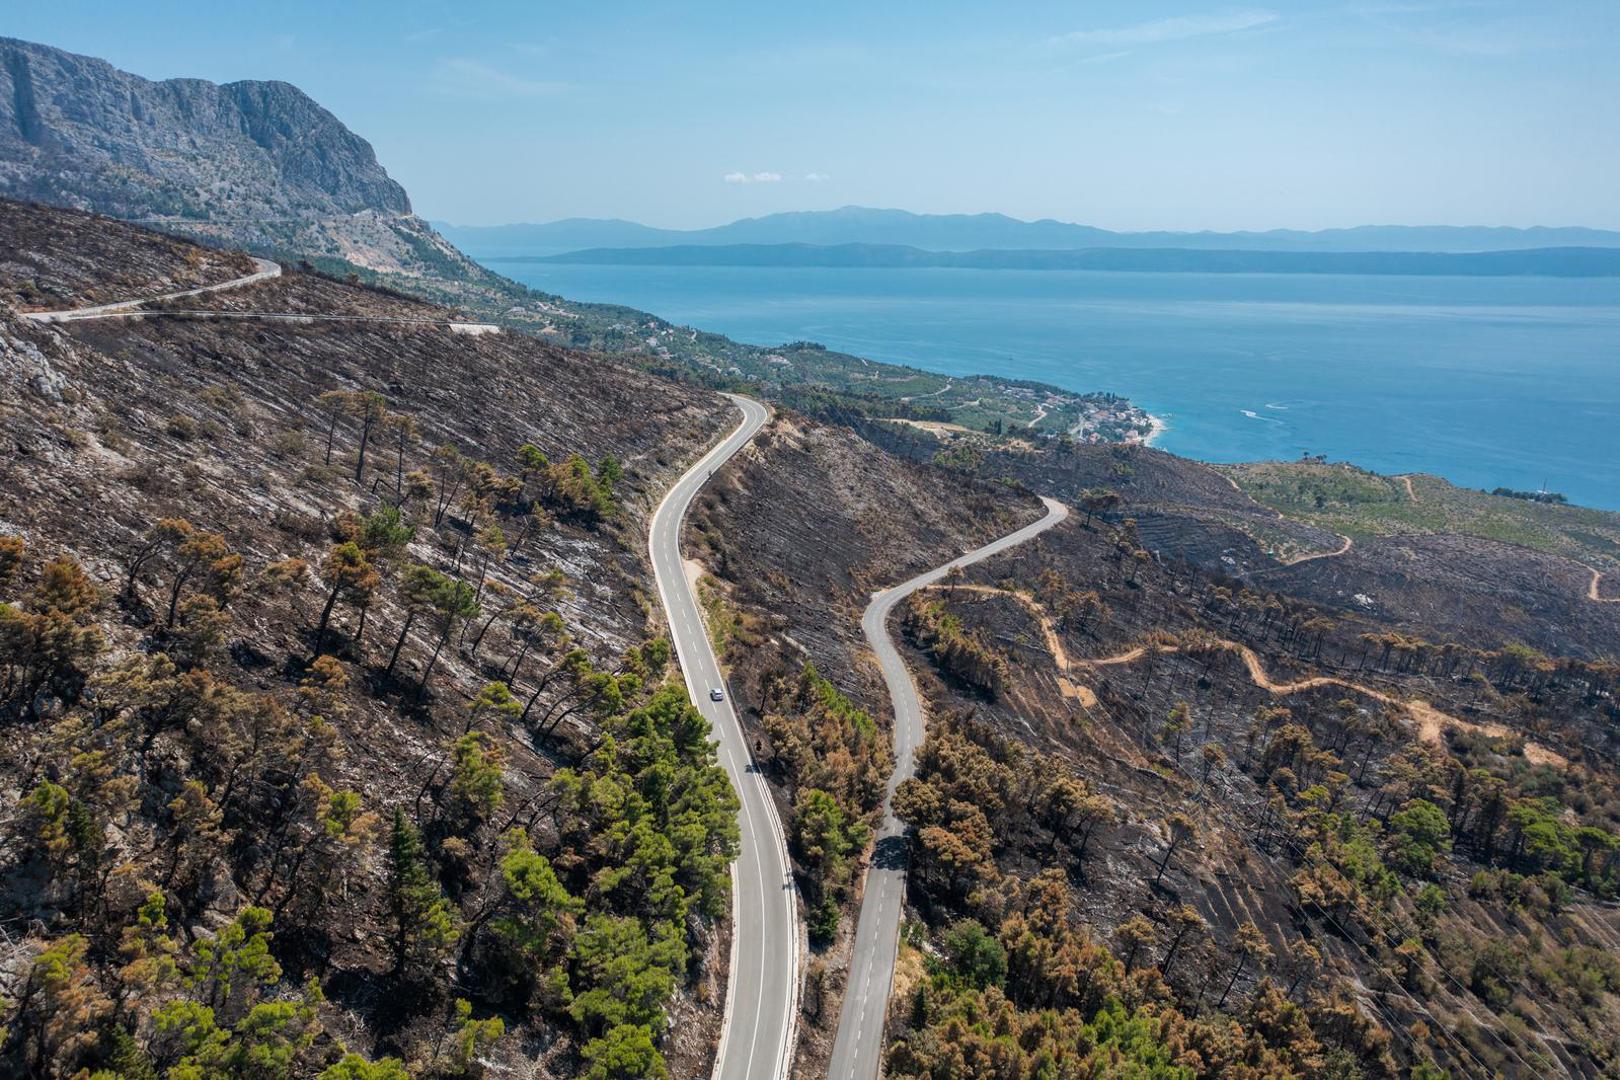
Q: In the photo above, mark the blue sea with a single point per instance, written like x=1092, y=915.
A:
x=1485, y=381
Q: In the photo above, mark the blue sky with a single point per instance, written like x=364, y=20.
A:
x=1122, y=114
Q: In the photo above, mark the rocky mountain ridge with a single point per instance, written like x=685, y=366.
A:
x=253, y=164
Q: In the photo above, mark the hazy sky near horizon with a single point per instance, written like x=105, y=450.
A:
x=1129, y=115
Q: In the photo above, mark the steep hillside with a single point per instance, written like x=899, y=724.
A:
x=1168, y=823
x=318, y=642
x=54, y=261
x=1178, y=653
x=1412, y=553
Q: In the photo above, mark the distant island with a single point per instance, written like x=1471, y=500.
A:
x=1535, y=262
x=977, y=232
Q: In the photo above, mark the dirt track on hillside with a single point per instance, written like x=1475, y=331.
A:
x=1430, y=721
x=1594, y=591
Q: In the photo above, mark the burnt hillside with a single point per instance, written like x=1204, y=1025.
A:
x=69, y=258
x=1179, y=743
x=1291, y=841
x=329, y=715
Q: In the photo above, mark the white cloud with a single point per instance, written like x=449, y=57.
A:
x=1176, y=28
x=461, y=76
x=753, y=178
x=817, y=177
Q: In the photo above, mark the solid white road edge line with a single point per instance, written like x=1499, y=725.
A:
x=786, y=1043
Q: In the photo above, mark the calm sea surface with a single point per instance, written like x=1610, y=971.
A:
x=1485, y=381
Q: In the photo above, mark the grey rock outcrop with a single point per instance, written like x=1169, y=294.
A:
x=256, y=164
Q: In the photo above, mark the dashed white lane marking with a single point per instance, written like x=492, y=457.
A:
x=698, y=665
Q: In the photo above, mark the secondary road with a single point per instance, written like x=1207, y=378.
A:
x=858, y=1048
x=454, y=326
x=264, y=270
x=756, y=1040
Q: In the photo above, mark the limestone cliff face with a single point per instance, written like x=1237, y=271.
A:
x=259, y=164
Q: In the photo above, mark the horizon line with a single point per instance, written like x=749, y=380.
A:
x=1206, y=231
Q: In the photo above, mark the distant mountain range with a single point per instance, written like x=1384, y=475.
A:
x=1536, y=262
x=992, y=232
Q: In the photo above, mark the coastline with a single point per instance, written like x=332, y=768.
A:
x=1394, y=356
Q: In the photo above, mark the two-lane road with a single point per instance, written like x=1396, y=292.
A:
x=756, y=1042
x=858, y=1048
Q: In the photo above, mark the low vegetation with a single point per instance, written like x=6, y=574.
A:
x=1270, y=864
x=1350, y=500
x=834, y=763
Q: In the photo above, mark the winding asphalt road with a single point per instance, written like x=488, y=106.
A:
x=858, y=1048
x=264, y=270
x=756, y=1041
